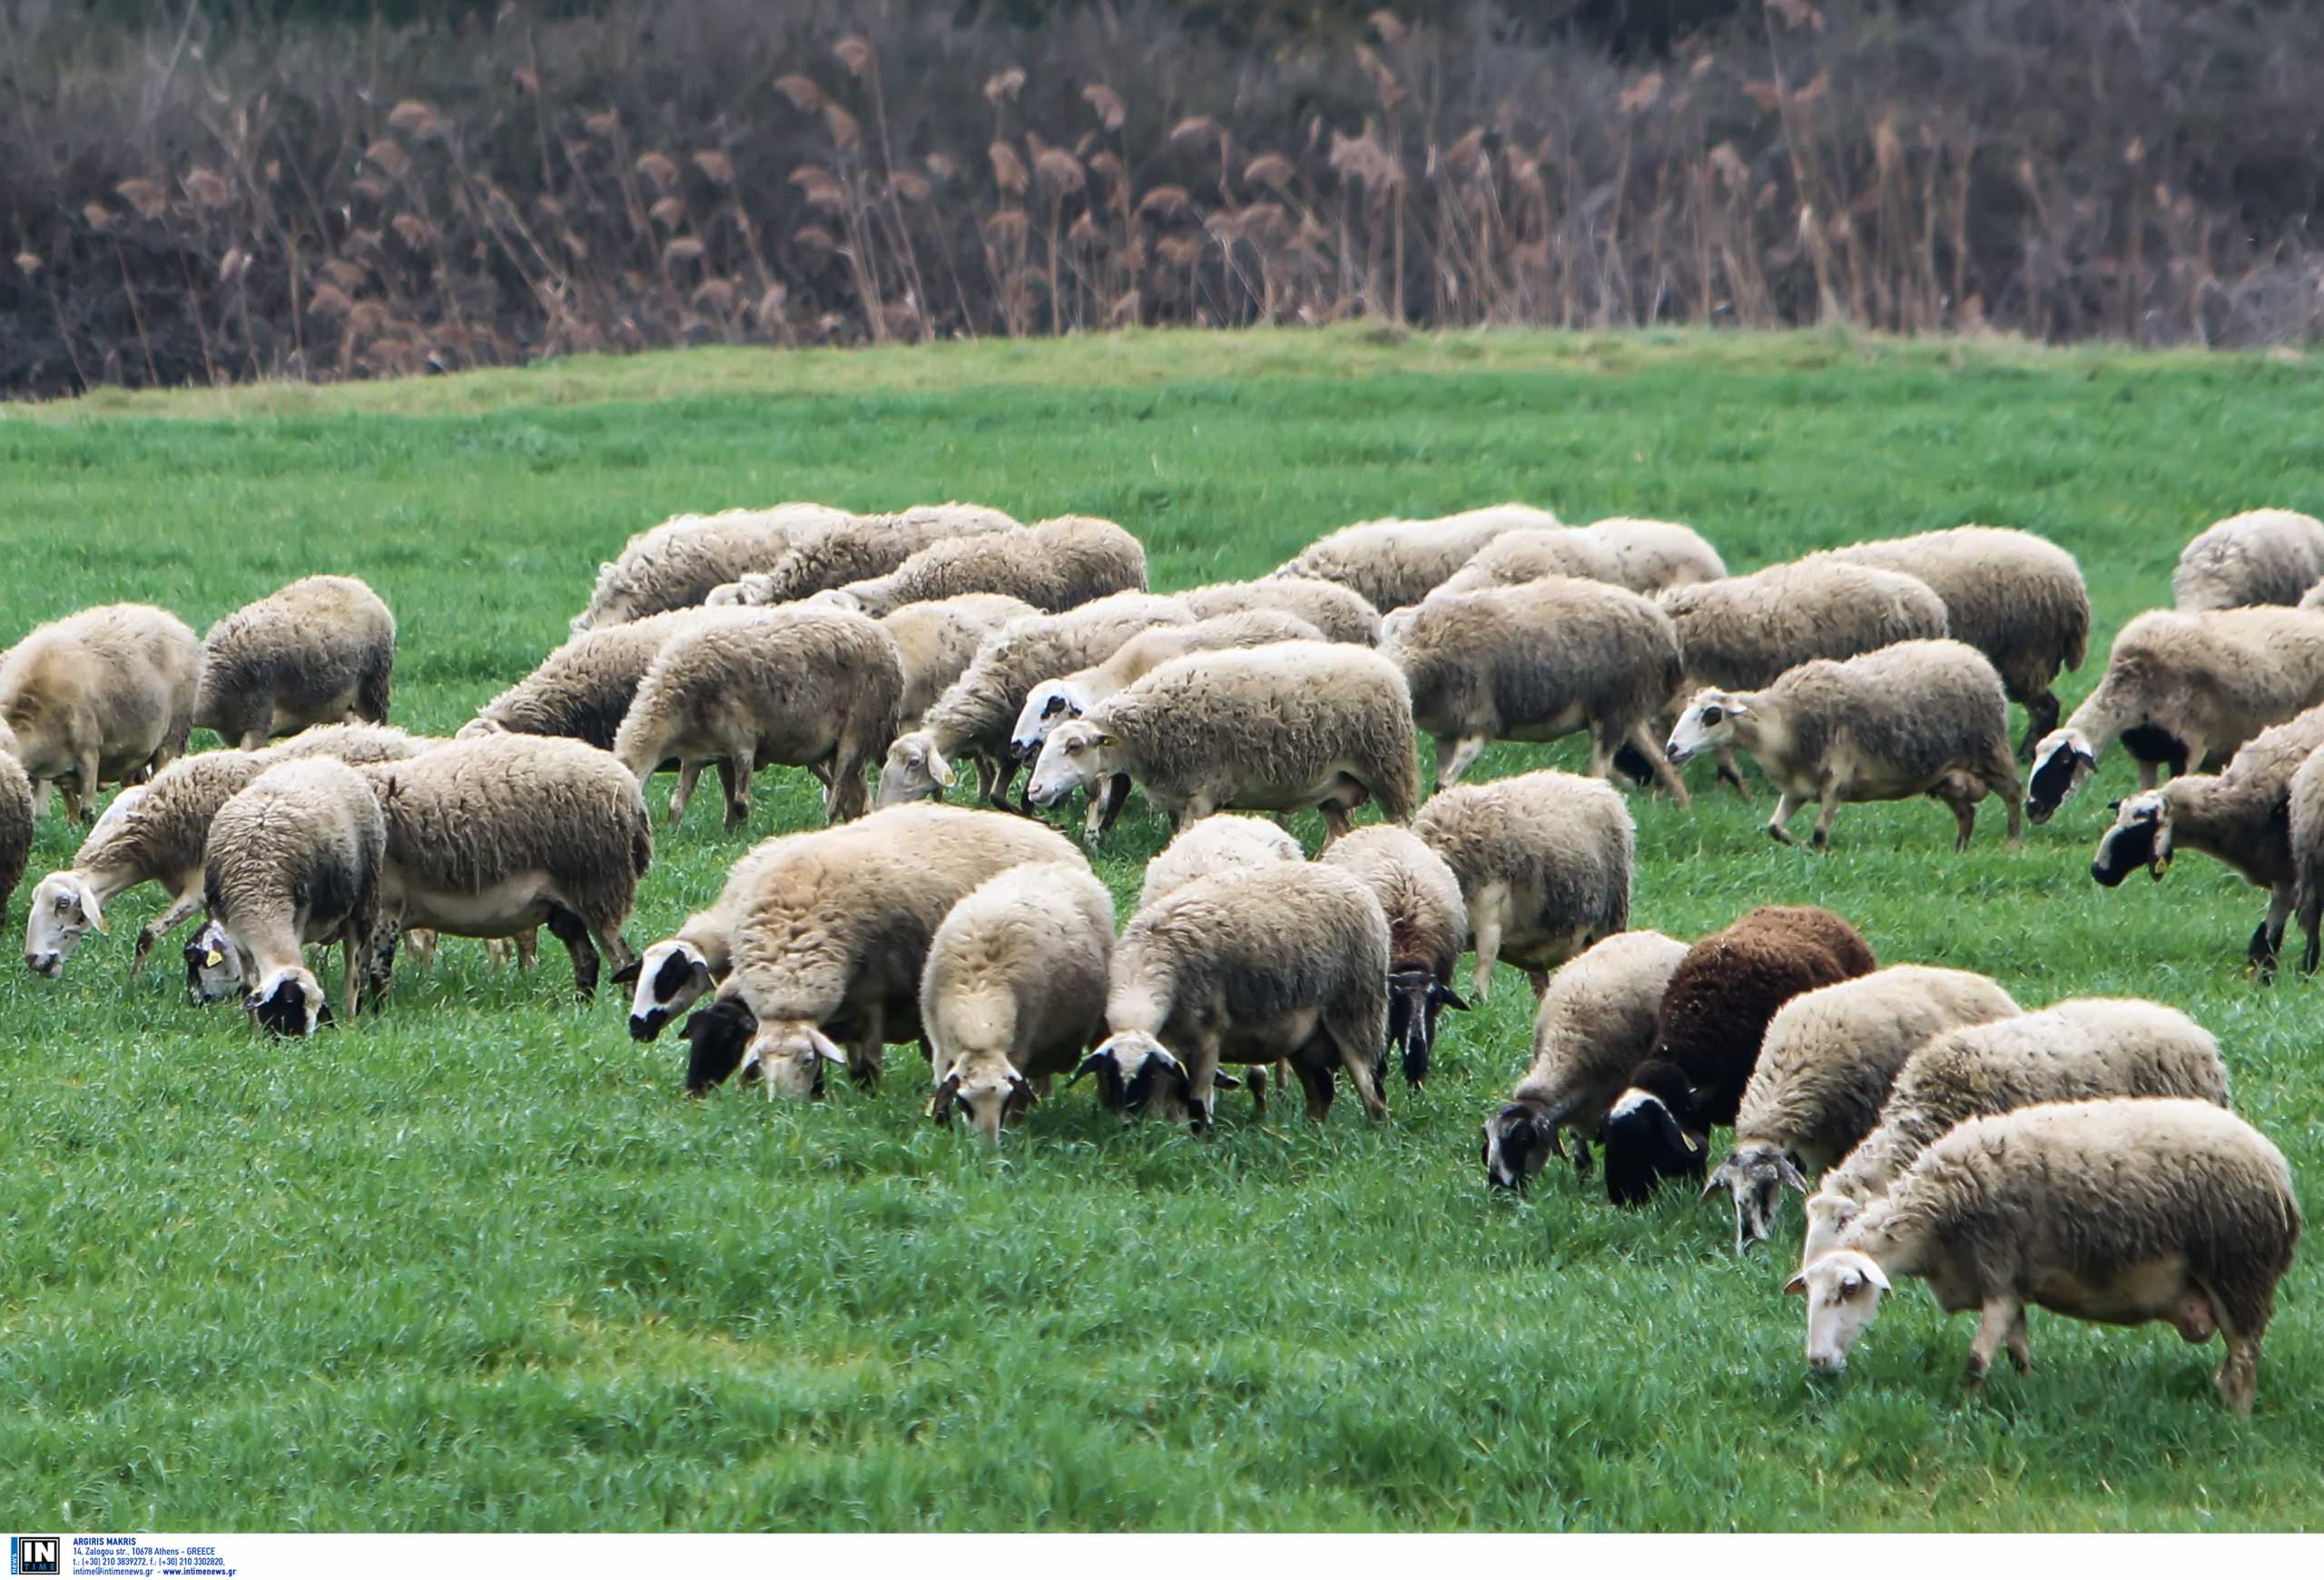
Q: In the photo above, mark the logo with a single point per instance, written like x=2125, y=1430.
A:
x=36, y=1556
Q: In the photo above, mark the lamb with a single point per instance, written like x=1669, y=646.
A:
x=1535, y=662
x=1219, y=843
x=2261, y=557
x=676, y=565
x=2183, y=691
x=1285, y=960
x=293, y=858
x=1014, y=992
x=936, y=641
x=2159, y=1211
x=1428, y=926
x=583, y=688
x=100, y=697
x=1055, y=565
x=1544, y=864
x=831, y=941
x=1274, y=728
x=1824, y=1069
x=2069, y=1051
x=1394, y=563
x=2243, y=815
x=1645, y=556
x=1069, y=697
x=680, y=968
x=2018, y=598
x=1911, y=719
x=15, y=820
x=1654, y=1132
x=1594, y=1027
x=1714, y=1015
x=487, y=838
x=818, y=688
x=1340, y=613
x=321, y=650
x=975, y=714
x=858, y=548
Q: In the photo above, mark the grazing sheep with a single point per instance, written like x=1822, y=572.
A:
x=1014, y=992
x=680, y=968
x=1535, y=662
x=938, y=639
x=860, y=548
x=1545, y=862
x=1219, y=843
x=583, y=688
x=1428, y=926
x=1340, y=613
x=356, y=744
x=2018, y=598
x=977, y=712
x=155, y=833
x=1654, y=1132
x=1069, y=697
x=1055, y=565
x=2066, y=1052
x=1595, y=1026
x=1651, y=557
x=2261, y=557
x=677, y=565
x=2243, y=815
x=831, y=942
x=1393, y=563
x=15, y=821
x=1913, y=719
x=816, y=688
x=296, y=857
x=1824, y=1069
x=489, y=838
x=105, y=697
x=2122, y=1212
x=323, y=650
x=1714, y=1015
x=1286, y=960
x=2305, y=821
x=2183, y=691
x=1645, y=556
x=1743, y=632
x=1275, y=728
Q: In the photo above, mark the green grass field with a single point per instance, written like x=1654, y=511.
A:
x=478, y=1266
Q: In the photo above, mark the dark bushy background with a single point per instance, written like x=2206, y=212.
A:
x=219, y=190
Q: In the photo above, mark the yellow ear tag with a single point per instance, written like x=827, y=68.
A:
x=213, y=958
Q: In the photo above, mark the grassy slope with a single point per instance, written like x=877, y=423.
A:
x=476, y=1266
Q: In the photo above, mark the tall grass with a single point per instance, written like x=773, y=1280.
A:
x=214, y=199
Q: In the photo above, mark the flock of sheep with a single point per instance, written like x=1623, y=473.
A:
x=2080, y=1157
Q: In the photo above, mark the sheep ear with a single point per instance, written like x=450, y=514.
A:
x=1717, y=1182
x=1223, y=1083
x=626, y=976
x=1799, y=1284
x=825, y=1049
x=1439, y=993
x=87, y=899
x=1879, y=1279
x=939, y=769
x=1789, y=1173
x=1021, y=1091
x=940, y=1107
x=1090, y=1066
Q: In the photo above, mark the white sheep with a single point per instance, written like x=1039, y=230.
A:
x=1340, y=613
x=2261, y=557
x=1055, y=565
x=860, y=548
x=678, y=564
x=937, y=640
x=105, y=697
x=1393, y=563
x=320, y=651
x=1428, y=927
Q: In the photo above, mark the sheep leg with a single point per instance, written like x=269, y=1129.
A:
x=1581, y=1155
x=1539, y=980
x=734, y=771
x=1730, y=771
x=2021, y=1350
x=1358, y=1061
x=1455, y=758
x=567, y=930
x=1642, y=741
x=2238, y=1377
x=1488, y=950
x=528, y=949
x=2041, y=717
x=1202, y=1074
x=1960, y=792
x=2279, y=914
x=1787, y=804
x=1337, y=824
x=385, y=934
x=689, y=772
x=1256, y=1078
x=161, y=926
x=81, y=801
x=1117, y=797
x=1827, y=805
x=2147, y=774
x=2001, y=1314
x=985, y=773
x=1316, y=1082
x=864, y=1056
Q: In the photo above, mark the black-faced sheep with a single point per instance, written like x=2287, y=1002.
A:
x=1055, y=565
x=1428, y=927
x=677, y=565
x=2070, y=1051
x=1544, y=861
x=1918, y=718
x=1715, y=1014
x=2261, y=557
x=860, y=548
x=1340, y=613
x=2018, y=598
x=2183, y=691
x=1653, y=1132
x=1276, y=728
x=320, y=651
x=297, y=857
x=1824, y=1069
x=490, y=838
x=2243, y=815
x=938, y=639
x=105, y=697
x=1594, y=1027
x=831, y=941
x=1394, y=563
x=816, y=688
x=977, y=712
x=676, y=971
x=1248, y=967
x=2114, y=1212
x=1014, y=992
x=1536, y=662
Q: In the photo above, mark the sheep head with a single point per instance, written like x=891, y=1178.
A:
x=716, y=1037
x=989, y=1092
x=288, y=1002
x=1414, y=997
x=669, y=976
x=63, y=910
x=1047, y=705
x=2063, y=762
x=1518, y=1142
x=1843, y=1289
x=1828, y=1212
x=788, y=1058
x=1707, y=722
x=1136, y=1076
x=213, y=967
x=2140, y=837
x=915, y=770
x=1076, y=757
x=1755, y=1176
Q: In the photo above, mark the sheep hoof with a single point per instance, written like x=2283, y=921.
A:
x=1780, y=834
